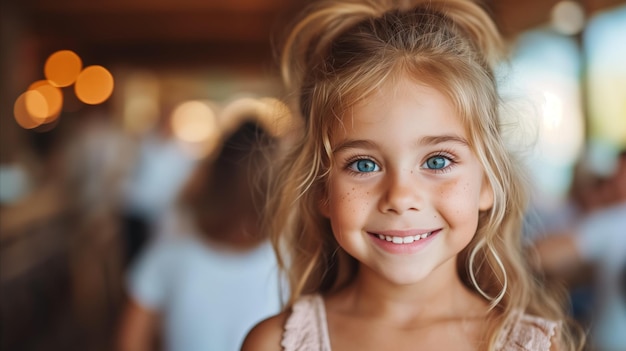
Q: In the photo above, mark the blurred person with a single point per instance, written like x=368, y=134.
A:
x=203, y=287
x=98, y=160
x=161, y=167
x=546, y=217
x=598, y=237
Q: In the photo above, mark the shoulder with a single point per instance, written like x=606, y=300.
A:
x=528, y=332
x=300, y=326
x=266, y=335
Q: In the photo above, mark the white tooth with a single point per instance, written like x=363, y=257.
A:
x=417, y=237
x=381, y=237
x=424, y=235
x=407, y=239
x=388, y=238
x=397, y=240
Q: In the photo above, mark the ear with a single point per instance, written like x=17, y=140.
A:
x=485, y=201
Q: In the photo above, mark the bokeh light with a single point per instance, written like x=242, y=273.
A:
x=62, y=68
x=94, y=85
x=36, y=105
x=193, y=121
x=568, y=17
x=53, y=98
x=194, y=124
x=29, y=118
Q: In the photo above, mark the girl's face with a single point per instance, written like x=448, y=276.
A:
x=405, y=190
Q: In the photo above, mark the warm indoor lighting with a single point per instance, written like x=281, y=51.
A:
x=195, y=126
x=62, y=68
x=36, y=105
x=22, y=113
x=53, y=98
x=193, y=121
x=94, y=85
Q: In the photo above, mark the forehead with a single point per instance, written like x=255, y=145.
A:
x=405, y=108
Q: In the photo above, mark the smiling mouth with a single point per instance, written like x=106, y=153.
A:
x=404, y=239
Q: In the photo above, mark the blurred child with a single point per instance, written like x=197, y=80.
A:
x=599, y=238
x=205, y=287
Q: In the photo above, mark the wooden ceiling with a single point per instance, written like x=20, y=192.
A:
x=203, y=32
x=171, y=34
x=168, y=32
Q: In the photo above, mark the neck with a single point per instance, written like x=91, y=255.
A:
x=439, y=297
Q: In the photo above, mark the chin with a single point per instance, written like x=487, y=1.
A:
x=405, y=277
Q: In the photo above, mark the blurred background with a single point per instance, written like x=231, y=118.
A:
x=107, y=106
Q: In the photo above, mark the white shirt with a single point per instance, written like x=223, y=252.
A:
x=209, y=299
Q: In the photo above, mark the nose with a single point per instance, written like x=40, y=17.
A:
x=401, y=193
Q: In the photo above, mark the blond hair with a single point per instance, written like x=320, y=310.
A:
x=335, y=56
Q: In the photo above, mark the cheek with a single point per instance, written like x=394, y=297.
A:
x=348, y=209
x=347, y=202
x=457, y=203
x=458, y=200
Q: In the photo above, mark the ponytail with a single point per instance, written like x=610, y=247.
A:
x=312, y=36
x=477, y=26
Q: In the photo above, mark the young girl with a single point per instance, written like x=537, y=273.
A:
x=397, y=218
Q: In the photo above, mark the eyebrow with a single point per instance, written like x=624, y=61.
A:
x=354, y=144
x=423, y=141
x=439, y=139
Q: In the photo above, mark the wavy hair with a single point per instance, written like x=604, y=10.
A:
x=337, y=54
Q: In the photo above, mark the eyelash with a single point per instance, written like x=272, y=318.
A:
x=353, y=159
x=445, y=154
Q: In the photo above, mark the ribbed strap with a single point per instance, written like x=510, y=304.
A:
x=527, y=333
x=306, y=328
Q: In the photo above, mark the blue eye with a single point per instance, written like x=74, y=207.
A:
x=437, y=162
x=364, y=166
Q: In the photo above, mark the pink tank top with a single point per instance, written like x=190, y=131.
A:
x=306, y=330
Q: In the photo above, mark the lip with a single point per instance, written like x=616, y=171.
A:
x=403, y=233
x=405, y=248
